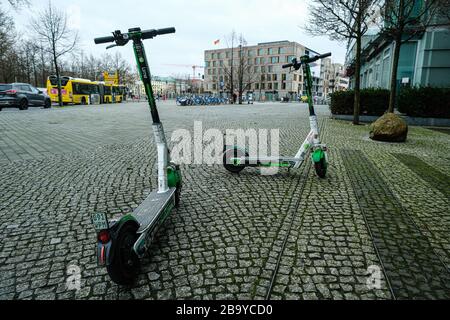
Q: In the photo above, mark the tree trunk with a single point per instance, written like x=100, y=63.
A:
x=357, y=102
x=58, y=81
x=396, y=57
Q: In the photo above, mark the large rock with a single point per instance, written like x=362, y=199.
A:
x=389, y=128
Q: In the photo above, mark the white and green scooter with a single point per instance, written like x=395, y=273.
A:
x=122, y=243
x=236, y=159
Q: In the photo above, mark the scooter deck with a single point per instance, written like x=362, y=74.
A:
x=154, y=205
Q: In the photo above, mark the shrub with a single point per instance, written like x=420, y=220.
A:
x=374, y=102
x=425, y=102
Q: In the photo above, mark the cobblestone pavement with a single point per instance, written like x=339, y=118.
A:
x=288, y=236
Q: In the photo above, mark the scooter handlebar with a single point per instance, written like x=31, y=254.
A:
x=104, y=40
x=289, y=65
x=148, y=34
x=326, y=55
x=166, y=31
x=322, y=56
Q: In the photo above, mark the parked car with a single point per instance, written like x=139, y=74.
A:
x=22, y=95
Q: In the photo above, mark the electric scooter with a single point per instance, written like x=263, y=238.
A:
x=121, y=244
x=236, y=159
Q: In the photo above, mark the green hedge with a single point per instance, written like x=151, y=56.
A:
x=425, y=102
x=374, y=102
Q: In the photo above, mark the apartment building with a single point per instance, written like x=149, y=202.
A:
x=264, y=78
x=333, y=77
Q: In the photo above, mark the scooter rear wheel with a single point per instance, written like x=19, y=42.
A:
x=227, y=163
x=321, y=168
x=124, y=266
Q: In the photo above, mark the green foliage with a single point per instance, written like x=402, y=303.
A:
x=374, y=102
x=425, y=102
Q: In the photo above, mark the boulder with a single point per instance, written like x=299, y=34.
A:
x=389, y=128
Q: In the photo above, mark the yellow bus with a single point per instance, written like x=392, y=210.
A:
x=111, y=93
x=73, y=90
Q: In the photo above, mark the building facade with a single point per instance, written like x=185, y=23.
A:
x=266, y=80
x=333, y=77
x=424, y=60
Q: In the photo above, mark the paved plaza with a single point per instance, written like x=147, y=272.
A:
x=378, y=227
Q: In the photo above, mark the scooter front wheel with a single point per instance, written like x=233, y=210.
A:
x=321, y=168
x=124, y=266
x=228, y=164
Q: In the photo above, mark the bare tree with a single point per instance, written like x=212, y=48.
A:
x=7, y=37
x=232, y=38
x=342, y=20
x=245, y=76
x=51, y=27
x=238, y=70
x=18, y=3
x=403, y=20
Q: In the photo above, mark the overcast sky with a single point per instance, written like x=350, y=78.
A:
x=198, y=22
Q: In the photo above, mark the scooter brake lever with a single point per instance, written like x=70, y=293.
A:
x=111, y=46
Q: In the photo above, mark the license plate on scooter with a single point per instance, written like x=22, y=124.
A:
x=100, y=221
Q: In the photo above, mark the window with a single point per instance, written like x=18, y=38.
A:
x=85, y=88
x=221, y=63
x=270, y=69
x=5, y=87
x=206, y=64
x=275, y=59
x=263, y=78
x=263, y=86
x=281, y=50
x=295, y=77
x=214, y=64
x=260, y=52
x=263, y=69
x=283, y=86
x=385, y=69
x=227, y=54
x=283, y=77
x=25, y=88
x=257, y=86
x=269, y=78
x=269, y=86
x=275, y=86
x=270, y=51
x=289, y=58
x=255, y=69
x=275, y=77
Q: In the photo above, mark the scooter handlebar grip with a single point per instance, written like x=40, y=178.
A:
x=326, y=55
x=289, y=65
x=104, y=40
x=165, y=31
x=149, y=34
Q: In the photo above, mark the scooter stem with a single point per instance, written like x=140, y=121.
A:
x=158, y=130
